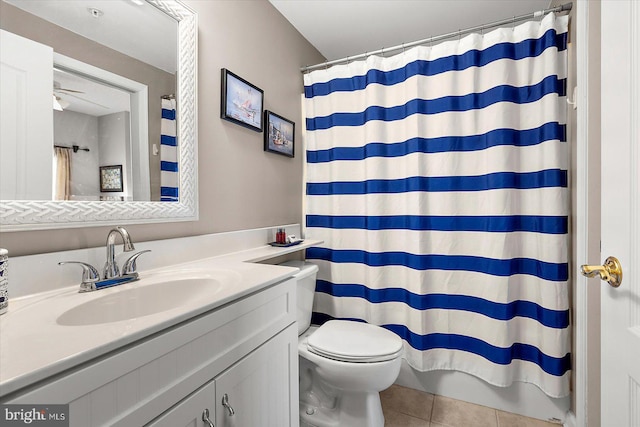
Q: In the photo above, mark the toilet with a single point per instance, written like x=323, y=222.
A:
x=343, y=364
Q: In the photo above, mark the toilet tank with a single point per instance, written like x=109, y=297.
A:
x=305, y=291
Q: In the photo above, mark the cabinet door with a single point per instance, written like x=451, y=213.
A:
x=189, y=412
x=262, y=388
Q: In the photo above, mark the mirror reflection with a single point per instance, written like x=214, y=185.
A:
x=97, y=79
x=91, y=129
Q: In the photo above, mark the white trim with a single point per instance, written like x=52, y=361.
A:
x=634, y=247
x=303, y=151
x=140, y=146
x=570, y=420
x=580, y=310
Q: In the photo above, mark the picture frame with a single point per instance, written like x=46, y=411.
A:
x=111, y=179
x=242, y=103
x=279, y=135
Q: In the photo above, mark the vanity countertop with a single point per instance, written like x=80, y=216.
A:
x=34, y=345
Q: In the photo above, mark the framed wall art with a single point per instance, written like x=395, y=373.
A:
x=111, y=178
x=279, y=134
x=242, y=103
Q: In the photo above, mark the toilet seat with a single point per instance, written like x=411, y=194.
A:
x=350, y=341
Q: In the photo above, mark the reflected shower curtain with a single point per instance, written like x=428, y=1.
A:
x=437, y=179
x=62, y=173
x=169, y=179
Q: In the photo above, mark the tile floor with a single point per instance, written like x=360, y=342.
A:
x=406, y=407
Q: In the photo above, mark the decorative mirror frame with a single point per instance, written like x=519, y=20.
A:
x=23, y=215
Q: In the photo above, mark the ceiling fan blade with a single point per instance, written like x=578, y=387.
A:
x=64, y=89
x=56, y=87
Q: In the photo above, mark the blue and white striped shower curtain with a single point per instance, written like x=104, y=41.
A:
x=169, y=179
x=437, y=179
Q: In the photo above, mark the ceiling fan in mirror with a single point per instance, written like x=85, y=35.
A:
x=60, y=103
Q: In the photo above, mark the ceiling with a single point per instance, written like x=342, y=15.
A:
x=341, y=28
x=83, y=95
x=134, y=28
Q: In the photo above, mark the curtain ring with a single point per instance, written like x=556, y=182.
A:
x=513, y=25
x=326, y=65
x=403, y=49
x=382, y=52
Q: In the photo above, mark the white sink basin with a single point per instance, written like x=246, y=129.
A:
x=141, y=299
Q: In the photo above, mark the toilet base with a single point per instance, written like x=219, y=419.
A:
x=351, y=409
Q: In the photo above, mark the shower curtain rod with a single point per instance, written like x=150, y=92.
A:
x=75, y=148
x=562, y=8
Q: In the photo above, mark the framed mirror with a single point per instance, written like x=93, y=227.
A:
x=154, y=118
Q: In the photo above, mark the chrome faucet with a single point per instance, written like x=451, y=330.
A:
x=111, y=275
x=111, y=269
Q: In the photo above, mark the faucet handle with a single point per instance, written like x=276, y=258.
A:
x=129, y=266
x=90, y=275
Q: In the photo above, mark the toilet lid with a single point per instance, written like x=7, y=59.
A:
x=354, y=342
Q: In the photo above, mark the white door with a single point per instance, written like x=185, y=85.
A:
x=26, y=119
x=620, y=139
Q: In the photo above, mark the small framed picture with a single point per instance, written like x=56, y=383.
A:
x=242, y=102
x=111, y=178
x=279, y=134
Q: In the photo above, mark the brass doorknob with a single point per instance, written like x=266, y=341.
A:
x=611, y=271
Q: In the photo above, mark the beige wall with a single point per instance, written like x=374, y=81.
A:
x=67, y=43
x=240, y=185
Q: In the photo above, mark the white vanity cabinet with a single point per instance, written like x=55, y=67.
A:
x=191, y=412
x=246, y=350
x=253, y=392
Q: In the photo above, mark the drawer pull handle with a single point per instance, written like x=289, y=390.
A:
x=225, y=403
x=205, y=418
